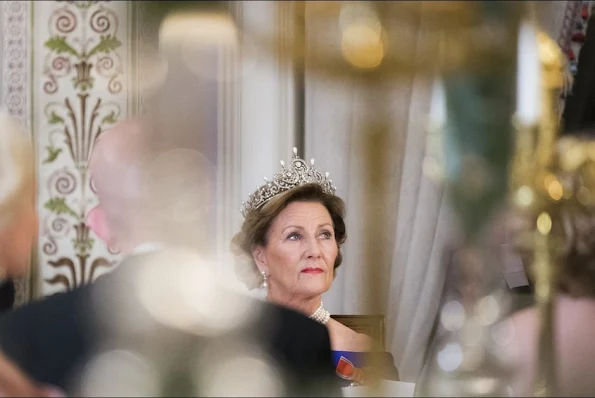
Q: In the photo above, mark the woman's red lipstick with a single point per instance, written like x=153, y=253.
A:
x=311, y=270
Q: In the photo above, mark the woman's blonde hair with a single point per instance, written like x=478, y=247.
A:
x=254, y=231
x=17, y=170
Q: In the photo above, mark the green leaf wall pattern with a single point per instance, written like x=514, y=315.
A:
x=80, y=63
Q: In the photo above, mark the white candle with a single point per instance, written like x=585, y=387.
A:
x=438, y=103
x=528, y=75
x=198, y=29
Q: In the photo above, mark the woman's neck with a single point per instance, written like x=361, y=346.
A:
x=305, y=305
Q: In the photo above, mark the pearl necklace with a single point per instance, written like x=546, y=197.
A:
x=321, y=315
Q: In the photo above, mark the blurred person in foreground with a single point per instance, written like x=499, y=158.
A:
x=18, y=225
x=18, y=221
x=574, y=309
x=289, y=245
x=162, y=312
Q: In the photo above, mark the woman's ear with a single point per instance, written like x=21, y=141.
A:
x=259, y=258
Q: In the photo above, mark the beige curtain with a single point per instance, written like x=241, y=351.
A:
x=416, y=217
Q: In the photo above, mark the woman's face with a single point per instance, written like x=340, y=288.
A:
x=300, y=253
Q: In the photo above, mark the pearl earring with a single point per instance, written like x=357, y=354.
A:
x=265, y=279
x=264, y=286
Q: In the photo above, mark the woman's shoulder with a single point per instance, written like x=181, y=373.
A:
x=344, y=338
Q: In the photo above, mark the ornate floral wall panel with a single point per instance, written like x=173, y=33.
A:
x=80, y=86
x=69, y=72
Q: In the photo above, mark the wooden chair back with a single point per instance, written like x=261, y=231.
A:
x=372, y=325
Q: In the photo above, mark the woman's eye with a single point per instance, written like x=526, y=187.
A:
x=326, y=235
x=294, y=236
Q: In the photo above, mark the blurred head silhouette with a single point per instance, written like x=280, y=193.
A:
x=148, y=192
x=18, y=219
x=114, y=167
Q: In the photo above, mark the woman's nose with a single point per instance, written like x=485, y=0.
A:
x=313, y=249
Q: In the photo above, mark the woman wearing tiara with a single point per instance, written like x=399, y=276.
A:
x=289, y=245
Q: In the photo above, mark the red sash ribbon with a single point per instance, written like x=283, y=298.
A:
x=348, y=371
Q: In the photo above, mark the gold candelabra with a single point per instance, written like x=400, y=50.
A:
x=537, y=192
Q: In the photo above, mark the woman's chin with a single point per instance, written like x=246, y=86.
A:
x=314, y=288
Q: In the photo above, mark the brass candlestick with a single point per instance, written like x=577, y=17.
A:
x=537, y=192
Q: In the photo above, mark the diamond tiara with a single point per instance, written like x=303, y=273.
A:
x=297, y=173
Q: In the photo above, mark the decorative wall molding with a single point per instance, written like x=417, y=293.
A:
x=16, y=60
x=143, y=51
x=285, y=27
x=228, y=131
x=266, y=121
